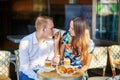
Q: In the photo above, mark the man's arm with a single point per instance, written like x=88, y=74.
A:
x=56, y=57
x=56, y=42
x=24, y=59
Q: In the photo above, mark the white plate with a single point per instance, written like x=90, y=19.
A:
x=66, y=75
x=46, y=69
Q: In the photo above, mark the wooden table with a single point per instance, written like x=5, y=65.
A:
x=2, y=77
x=54, y=76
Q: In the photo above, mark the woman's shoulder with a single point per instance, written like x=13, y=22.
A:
x=66, y=33
x=91, y=46
x=66, y=38
x=92, y=43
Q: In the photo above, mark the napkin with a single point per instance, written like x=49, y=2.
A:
x=41, y=69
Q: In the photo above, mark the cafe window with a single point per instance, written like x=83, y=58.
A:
x=106, y=20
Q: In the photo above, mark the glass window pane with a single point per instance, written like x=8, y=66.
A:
x=107, y=20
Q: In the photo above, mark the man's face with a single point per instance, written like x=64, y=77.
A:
x=49, y=29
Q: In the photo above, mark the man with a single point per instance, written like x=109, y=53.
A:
x=35, y=48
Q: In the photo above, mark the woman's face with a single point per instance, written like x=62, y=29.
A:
x=71, y=29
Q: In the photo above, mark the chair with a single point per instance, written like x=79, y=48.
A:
x=4, y=63
x=12, y=60
x=17, y=63
x=114, y=54
x=99, y=60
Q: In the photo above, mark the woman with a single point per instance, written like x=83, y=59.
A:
x=77, y=45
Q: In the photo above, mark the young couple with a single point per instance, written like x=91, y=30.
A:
x=35, y=48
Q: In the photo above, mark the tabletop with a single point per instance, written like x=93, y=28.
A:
x=2, y=77
x=54, y=76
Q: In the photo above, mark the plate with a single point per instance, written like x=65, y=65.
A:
x=66, y=74
x=48, y=69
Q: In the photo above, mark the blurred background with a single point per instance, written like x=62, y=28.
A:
x=17, y=17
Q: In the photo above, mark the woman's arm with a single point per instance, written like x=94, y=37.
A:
x=89, y=56
x=87, y=63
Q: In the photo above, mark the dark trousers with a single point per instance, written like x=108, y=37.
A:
x=25, y=77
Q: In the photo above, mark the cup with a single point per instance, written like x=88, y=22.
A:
x=47, y=63
x=66, y=62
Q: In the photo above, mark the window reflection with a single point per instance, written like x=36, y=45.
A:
x=107, y=20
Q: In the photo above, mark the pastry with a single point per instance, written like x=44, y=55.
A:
x=70, y=70
x=62, y=69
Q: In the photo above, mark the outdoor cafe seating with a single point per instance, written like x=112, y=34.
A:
x=99, y=60
x=4, y=65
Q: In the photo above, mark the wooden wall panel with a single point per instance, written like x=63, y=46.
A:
x=67, y=1
x=27, y=5
x=59, y=1
x=84, y=1
x=22, y=5
x=40, y=5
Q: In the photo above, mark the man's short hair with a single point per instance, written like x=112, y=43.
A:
x=41, y=21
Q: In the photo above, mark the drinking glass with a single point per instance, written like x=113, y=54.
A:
x=47, y=63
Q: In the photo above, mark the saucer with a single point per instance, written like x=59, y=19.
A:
x=48, y=69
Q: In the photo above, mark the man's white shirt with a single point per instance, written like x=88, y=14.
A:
x=33, y=54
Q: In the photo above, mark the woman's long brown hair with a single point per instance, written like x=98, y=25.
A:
x=82, y=38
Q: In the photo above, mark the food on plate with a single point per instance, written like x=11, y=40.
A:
x=70, y=70
x=62, y=69
x=67, y=62
x=65, y=70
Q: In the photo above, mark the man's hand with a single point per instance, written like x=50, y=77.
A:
x=56, y=57
x=56, y=60
x=57, y=37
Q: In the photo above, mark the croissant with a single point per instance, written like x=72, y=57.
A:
x=70, y=70
x=62, y=69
